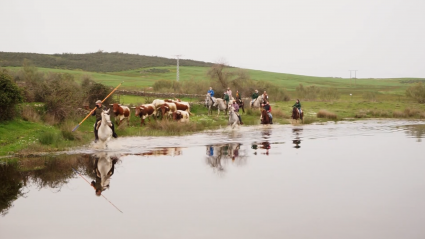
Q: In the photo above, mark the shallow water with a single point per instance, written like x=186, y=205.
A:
x=362, y=179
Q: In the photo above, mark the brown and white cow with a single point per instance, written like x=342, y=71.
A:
x=183, y=106
x=145, y=111
x=167, y=108
x=181, y=116
x=121, y=113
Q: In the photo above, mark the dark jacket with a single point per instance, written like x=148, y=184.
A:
x=267, y=108
x=255, y=95
x=297, y=105
x=98, y=112
x=226, y=97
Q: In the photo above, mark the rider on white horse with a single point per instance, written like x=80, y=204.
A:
x=211, y=92
x=98, y=114
x=236, y=109
x=254, y=97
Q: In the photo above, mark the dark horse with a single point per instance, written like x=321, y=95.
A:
x=265, y=119
x=240, y=104
x=296, y=115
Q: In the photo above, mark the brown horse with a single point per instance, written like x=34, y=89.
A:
x=265, y=119
x=296, y=115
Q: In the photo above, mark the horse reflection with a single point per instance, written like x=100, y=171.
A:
x=103, y=168
x=263, y=145
x=297, y=141
x=217, y=155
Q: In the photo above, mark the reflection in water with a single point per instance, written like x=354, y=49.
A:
x=297, y=141
x=265, y=134
x=172, y=151
x=104, y=166
x=10, y=186
x=217, y=155
x=416, y=131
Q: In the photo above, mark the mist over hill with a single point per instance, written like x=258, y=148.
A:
x=95, y=62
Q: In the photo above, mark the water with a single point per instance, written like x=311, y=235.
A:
x=363, y=179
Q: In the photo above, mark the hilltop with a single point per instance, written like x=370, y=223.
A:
x=94, y=62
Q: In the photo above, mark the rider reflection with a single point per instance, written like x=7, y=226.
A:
x=297, y=141
x=218, y=154
x=103, y=168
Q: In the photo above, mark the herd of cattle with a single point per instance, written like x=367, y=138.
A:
x=175, y=109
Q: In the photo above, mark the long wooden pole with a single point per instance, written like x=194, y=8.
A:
x=101, y=194
x=76, y=127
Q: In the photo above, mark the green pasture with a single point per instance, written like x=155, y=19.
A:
x=139, y=79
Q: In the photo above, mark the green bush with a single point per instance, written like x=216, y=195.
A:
x=417, y=92
x=48, y=137
x=10, y=96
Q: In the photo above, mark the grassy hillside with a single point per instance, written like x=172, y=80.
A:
x=140, y=78
x=96, y=62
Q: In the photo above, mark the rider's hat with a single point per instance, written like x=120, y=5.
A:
x=98, y=102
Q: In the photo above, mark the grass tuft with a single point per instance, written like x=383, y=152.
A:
x=326, y=114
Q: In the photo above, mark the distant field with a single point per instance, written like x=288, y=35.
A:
x=145, y=77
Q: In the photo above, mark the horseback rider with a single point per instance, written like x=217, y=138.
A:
x=98, y=113
x=298, y=106
x=238, y=96
x=229, y=92
x=236, y=109
x=226, y=99
x=254, y=97
x=265, y=97
x=268, y=109
x=211, y=92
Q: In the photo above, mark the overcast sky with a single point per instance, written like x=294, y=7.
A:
x=379, y=38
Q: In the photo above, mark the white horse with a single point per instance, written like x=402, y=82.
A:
x=233, y=118
x=105, y=132
x=210, y=102
x=221, y=105
x=257, y=103
x=104, y=166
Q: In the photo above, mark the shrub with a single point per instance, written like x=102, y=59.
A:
x=64, y=96
x=398, y=114
x=326, y=114
x=48, y=137
x=30, y=114
x=97, y=91
x=307, y=93
x=10, y=96
x=329, y=94
x=411, y=112
x=417, y=92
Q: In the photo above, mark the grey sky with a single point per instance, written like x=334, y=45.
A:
x=379, y=38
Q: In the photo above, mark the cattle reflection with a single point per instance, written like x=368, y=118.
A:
x=217, y=155
x=103, y=169
x=297, y=141
x=173, y=151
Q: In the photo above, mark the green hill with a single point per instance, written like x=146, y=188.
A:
x=94, y=62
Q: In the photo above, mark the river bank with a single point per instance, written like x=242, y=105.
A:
x=22, y=137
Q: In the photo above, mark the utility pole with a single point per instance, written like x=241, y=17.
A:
x=178, y=75
x=355, y=76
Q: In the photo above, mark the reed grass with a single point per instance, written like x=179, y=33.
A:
x=326, y=114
